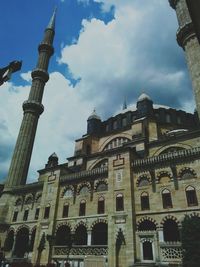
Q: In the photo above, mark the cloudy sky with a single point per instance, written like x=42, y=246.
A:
x=105, y=51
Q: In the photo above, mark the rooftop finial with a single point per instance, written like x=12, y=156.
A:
x=51, y=24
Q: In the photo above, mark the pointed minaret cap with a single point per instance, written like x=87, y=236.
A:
x=94, y=116
x=51, y=24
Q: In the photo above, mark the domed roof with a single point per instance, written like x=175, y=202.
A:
x=144, y=96
x=53, y=156
x=94, y=116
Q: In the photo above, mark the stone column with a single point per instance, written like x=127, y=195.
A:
x=89, y=238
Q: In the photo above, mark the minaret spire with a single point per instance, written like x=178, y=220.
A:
x=52, y=21
x=32, y=108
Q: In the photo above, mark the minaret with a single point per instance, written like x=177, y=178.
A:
x=187, y=39
x=32, y=108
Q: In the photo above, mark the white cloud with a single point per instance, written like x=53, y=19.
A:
x=117, y=59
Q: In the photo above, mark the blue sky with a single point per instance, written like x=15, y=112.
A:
x=105, y=50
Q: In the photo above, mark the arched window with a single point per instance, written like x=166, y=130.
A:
x=63, y=236
x=18, y=202
x=144, y=201
x=22, y=242
x=143, y=181
x=80, y=237
x=100, y=234
x=84, y=190
x=187, y=174
x=147, y=225
x=116, y=142
x=8, y=245
x=170, y=231
x=28, y=200
x=119, y=202
x=68, y=193
x=191, y=196
x=166, y=199
x=102, y=187
x=101, y=205
x=47, y=212
x=82, y=208
x=65, y=210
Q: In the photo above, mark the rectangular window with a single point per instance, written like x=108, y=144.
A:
x=15, y=216
x=167, y=201
x=119, y=202
x=46, y=212
x=191, y=198
x=65, y=211
x=82, y=209
x=145, y=203
x=101, y=207
x=25, y=217
x=37, y=211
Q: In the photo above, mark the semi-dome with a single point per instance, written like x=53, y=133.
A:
x=94, y=116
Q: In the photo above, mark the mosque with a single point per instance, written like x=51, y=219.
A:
x=120, y=199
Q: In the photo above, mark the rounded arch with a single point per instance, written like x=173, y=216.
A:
x=22, y=226
x=19, y=201
x=63, y=235
x=100, y=233
x=164, y=176
x=171, y=230
x=152, y=223
x=28, y=199
x=187, y=173
x=81, y=223
x=143, y=180
x=172, y=148
x=38, y=197
x=101, y=185
x=80, y=237
x=98, y=221
x=61, y=224
x=68, y=191
x=83, y=185
x=170, y=217
x=99, y=164
x=111, y=138
x=22, y=241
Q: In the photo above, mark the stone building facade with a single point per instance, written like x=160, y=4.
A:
x=119, y=200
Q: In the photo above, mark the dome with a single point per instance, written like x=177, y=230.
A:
x=94, y=116
x=144, y=96
x=53, y=156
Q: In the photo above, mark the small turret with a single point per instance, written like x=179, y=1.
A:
x=52, y=161
x=93, y=123
x=144, y=106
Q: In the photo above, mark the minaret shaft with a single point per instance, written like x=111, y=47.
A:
x=33, y=107
x=187, y=39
